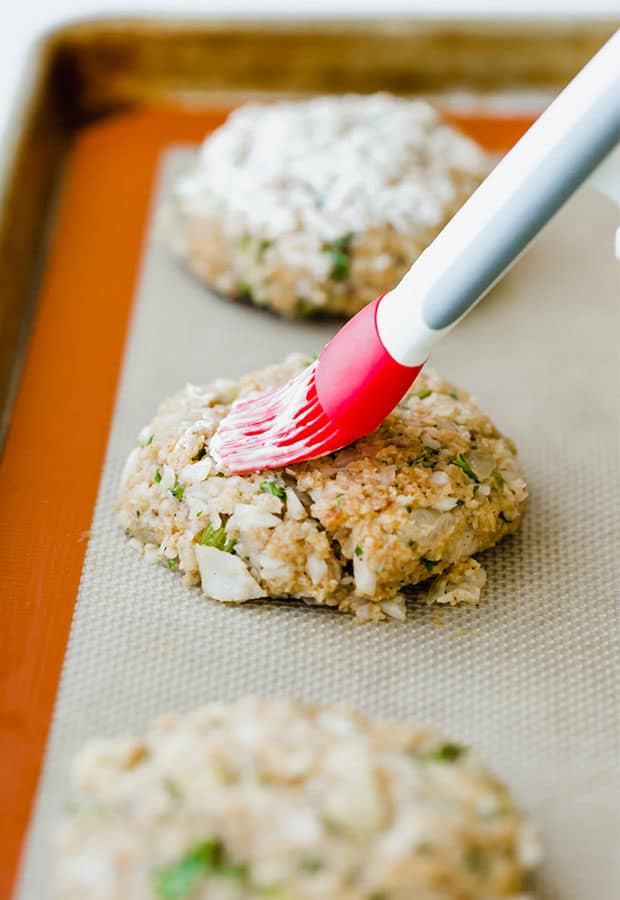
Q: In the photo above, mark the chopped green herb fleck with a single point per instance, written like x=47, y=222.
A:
x=444, y=753
x=150, y=440
x=339, y=252
x=137, y=514
x=412, y=543
x=338, y=499
x=425, y=392
x=304, y=308
x=409, y=509
x=453, y=394
x=502, y=516
x=244, y=241
x=198, y=514
x=245, y=289
x=178, y=879
x=430, y=563
x=157, y=476
x=216, y=537
x=272, y=892
x=460, y=503
x=172, y=788
x=178, y=491
x=172, y=563
x=340, y=267
x=209, y=858
x=311, y=865
x=475, y=861
x=273, y=487
x=358, y=550
x=447, y=753
x=503, y=807
x=314, y=357
x=462, y=463
x=233, y=871
x=428, y=458
x=498, y=480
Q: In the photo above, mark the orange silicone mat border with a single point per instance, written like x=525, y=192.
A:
x=52, y=462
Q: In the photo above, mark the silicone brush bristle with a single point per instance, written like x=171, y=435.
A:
x=342, y=396
x=276, y=428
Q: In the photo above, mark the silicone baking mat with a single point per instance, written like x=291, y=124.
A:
x=530, y=677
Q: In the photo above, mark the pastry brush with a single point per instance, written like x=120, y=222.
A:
x=369, y=365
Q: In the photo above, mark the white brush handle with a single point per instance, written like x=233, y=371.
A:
x=526, y=188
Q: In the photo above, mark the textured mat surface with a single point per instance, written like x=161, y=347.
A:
x=531, y=678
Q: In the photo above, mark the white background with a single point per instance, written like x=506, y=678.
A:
x=23, y=21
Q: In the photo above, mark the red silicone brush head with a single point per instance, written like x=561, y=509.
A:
x=275, y=428
x=344, y=395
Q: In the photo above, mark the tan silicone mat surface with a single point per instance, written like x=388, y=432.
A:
x=531, y=677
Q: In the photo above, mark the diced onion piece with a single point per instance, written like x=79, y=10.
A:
x=225, y=576
x=425, y=522
x=354, y=802
x=187, y=557
x=445, y=504
x=195, y=506
x=395, y=608
x=461, y=583
x=246, y=517
x=317, y=568
x=365, y=578
x=273, y=569
x=197, y=472
x=168, y=478
x=482, y=464
x=151, y=554
x=439, y=478
x=294, y=506
x=429, y=441
x=386, y=475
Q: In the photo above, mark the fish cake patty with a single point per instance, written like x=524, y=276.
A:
x=270, y=798
x=314, y=206
x=411, y=502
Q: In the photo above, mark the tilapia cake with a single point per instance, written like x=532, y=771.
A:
x=273, y=799
x=411, y=502
x=321, y=205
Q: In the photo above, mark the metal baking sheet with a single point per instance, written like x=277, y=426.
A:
x=81, y=78
x=531, y=677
